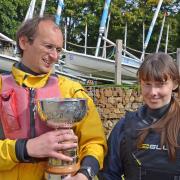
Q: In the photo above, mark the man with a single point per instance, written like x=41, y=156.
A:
x=25, y=141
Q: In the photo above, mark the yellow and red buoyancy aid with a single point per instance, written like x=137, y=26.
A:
x=17, y=108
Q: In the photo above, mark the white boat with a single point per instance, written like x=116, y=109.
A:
x=93, y=66
x=6, y=62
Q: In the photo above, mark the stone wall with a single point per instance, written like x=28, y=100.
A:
x=113, y=102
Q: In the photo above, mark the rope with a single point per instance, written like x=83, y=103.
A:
x=134, y=49
x=146, y=52
x=87, y=47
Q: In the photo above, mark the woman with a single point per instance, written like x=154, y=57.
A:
x=145, y=144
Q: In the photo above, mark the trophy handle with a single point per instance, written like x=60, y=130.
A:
x=39, y=111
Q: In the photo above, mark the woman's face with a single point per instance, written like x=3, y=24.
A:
x=156, y=94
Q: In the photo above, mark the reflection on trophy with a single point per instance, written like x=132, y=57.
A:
x=62, y=113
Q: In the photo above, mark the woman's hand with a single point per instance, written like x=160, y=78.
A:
x=78, y=176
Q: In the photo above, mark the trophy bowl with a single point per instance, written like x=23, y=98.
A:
x=62, y=113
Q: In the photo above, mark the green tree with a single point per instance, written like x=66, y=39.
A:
x=12, y=14
x=135, y=13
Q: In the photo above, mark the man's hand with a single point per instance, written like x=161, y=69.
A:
x=51, y=143
x=78, y=176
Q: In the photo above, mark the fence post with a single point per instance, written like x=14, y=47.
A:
x=118, y=60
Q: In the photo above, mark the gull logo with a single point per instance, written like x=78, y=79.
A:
x=153, y=147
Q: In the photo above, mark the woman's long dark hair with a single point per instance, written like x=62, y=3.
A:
x=160, y=67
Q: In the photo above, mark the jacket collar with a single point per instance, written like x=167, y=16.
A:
x=28, y=80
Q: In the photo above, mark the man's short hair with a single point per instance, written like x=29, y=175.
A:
x=29, y=29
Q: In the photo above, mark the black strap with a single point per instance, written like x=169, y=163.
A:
x=2, y=136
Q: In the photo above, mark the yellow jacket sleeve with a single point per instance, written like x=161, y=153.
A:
x=7, y=154
x=7, y=151
x=90, y=131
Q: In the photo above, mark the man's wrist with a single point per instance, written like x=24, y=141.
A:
x=21, y=151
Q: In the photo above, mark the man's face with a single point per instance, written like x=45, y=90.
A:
x=44, y=51
x=157, y=94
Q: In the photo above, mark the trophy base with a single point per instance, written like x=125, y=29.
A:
x=66, y=170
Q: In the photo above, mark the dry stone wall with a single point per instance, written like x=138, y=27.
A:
x=113, y=102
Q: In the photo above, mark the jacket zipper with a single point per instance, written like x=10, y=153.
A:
x=32, y=113
x=139, y=165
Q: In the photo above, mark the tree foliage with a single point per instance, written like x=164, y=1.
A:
x=11, y=15
x=78, y=13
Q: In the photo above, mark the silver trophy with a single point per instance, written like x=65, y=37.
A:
x=62, y=113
